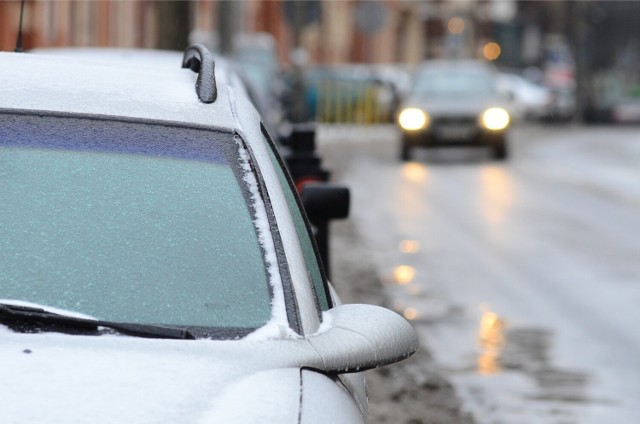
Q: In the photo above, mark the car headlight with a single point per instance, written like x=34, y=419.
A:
x=412, y=119
x=495, y=118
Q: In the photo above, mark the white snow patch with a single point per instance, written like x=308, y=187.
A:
x=275, y=393
x=327, y=323
x=47, y=308
x=277, y=326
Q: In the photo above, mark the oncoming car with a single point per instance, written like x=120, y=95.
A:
x=454, y=103
x=156, y=264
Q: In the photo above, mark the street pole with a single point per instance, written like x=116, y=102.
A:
x=173, y=24
x=299, y=110
x=226, y=26
x=584, y=106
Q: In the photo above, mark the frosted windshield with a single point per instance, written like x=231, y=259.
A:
x=129, y=222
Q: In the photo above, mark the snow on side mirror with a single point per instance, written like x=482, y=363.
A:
x=361, y=337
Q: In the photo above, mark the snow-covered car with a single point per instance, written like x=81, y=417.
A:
x=454, y=103
x=156, y=264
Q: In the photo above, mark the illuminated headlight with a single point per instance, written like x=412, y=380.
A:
x=412, y=119
x=495, y=119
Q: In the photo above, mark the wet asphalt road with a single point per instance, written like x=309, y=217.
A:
x=522, y=278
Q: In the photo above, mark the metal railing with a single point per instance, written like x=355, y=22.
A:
x=340, y=101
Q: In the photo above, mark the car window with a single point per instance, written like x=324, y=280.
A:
x=309, y=250
x=129, y=222
x=454, y=82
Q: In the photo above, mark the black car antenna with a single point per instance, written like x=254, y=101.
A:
x=19, y=40
x=199, y=59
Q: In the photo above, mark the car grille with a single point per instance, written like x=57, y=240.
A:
x=454, y=129
x=466, y=120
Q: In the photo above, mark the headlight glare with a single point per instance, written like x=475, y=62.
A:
x=412, y=119
x=495, y=119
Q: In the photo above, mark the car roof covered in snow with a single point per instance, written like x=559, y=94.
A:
x=149, y=88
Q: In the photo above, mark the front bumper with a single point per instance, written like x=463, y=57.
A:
x=452, y=135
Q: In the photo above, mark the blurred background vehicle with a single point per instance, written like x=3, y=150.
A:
x=627, y=111
x=525, y=99
x=454, y=103
x=612, y=97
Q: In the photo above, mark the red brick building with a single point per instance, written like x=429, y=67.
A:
x=338, y=31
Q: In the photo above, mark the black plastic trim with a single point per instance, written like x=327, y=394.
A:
x=292, y=187
x=291, y=303
x=200, y=60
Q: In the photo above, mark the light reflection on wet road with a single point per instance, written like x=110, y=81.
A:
x=490, y=341
x=522, y=277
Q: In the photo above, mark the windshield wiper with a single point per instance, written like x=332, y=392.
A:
x=17, y=316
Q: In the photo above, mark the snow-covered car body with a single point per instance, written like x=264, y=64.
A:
x=119, y=302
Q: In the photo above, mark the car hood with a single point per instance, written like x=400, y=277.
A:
x=55, y=378
x=463, y=106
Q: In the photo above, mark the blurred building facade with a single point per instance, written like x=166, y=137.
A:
x=345, y=31
x=331, y=31
x=66, y=23
x=592, y=44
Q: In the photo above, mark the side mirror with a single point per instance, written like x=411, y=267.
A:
x=324, y=202
x=361, y=337
x=352, y=338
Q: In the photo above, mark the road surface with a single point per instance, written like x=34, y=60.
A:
x=522, y=278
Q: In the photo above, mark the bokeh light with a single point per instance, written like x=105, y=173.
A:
x=409, y=246
x=491, y=51
x=404, y=274
x=456, y=25
x=490, y=340
x=410, y=314
x=415, y=172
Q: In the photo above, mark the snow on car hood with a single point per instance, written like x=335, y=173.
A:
x=55, y=378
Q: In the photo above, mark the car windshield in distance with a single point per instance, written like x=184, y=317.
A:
x=129, y=222
x=454, y=82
